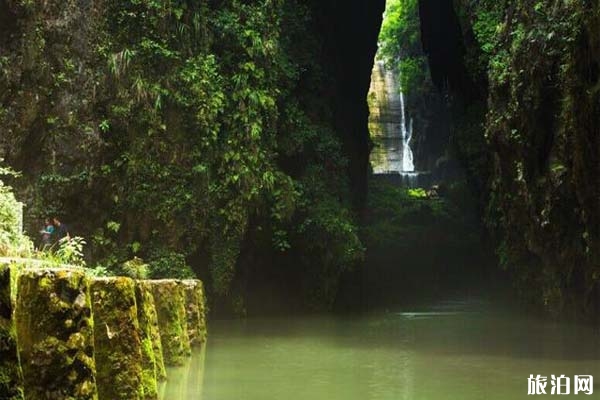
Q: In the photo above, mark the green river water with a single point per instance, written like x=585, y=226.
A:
x=463, y=350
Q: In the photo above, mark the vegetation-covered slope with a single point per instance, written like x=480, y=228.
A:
x=181, y=131
x=523, y=81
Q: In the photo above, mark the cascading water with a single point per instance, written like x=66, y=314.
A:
x=391, y=130
x=407, y=154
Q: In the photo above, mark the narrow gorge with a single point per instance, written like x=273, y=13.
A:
x=363, y=199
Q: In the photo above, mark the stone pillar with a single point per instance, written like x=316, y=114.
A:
x=169, y=298
x=55, y=334
x=11, y=378
x=154, y=331
x=203, y=311
x=153, y=367
x=117, y=338
x=194, y=301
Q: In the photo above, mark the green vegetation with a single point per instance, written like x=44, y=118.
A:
x=117, y=341
x=177, y=132
x=12, y=240
x=148, y=320
x=55, y=334
x=145, y=310
x=194, y=307
x=169, y=298
x=400, y=215
x=486, y=25
x=11, y=378
x=541, y=110
x=524, y=131
x=168, y=265
x=420, y=243
x=400, y=46
x=187, y=138
x=65, y=252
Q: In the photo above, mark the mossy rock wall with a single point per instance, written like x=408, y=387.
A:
x=150, y=320
x=147, y=320
x=55, y=335
x=536, y=64
x=118, y=339
x=195, y=311
x=169, y=297
x=11, y=379
x=203, y=312
x=118, y=351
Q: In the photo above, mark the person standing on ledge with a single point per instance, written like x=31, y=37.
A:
x=61, y=230
x=47, y=234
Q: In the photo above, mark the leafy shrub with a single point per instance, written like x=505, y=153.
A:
x=12, y=241
x=400, y=46
x=168, y=264
x=418, y=193
x=135, y=268
x=68, y=251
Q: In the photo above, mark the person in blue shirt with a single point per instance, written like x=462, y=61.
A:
x=47, y=233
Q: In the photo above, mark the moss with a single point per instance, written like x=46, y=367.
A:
x=117, y=338
x=146, y=308
x=542, y=192
x=55, y=334
x=150, y=320
x=11, y=379
x=195, y=310
x=169, y=299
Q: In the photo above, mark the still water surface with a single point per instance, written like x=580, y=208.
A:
x=452, y=350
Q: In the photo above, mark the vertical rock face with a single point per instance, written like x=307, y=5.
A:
x=385, y=121
x=117, y=338
x=194, y=302
x=149, y=319
x=544, y=136
x=11, y=379
x=203, y=311
x=348, y=35
x=48, y=42
x=151, y=371
x=55, y=334
x=169, y=297
x=529, y=72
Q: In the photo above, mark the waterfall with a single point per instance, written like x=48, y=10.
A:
x=391, y=129
x=407, y=154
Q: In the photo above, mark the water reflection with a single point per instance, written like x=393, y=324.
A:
x=452, y=350
x=185, y=382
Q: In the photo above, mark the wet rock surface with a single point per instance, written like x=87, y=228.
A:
x=55, y=334
x=195, y=311
x=153, y=368
x=76, y=337
x=11, y=379
x=117, y=337
x=169, y=296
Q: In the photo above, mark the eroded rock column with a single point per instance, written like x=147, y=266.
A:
x=55, y=334
x=195, y=309
x=153, y=367
x=117, y=338
x=169, y=298
x=11, y=379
